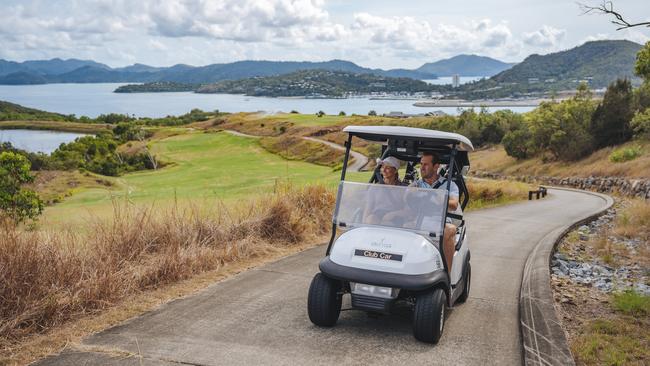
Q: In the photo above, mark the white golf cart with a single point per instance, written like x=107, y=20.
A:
x=382, y=261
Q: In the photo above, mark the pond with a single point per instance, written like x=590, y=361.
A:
x=37, y=140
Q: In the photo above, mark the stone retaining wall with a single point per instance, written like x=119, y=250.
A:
x=624, y=186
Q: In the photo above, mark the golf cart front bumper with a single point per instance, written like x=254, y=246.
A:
x=385, y=279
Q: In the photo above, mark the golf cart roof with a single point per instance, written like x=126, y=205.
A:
x=427, y=137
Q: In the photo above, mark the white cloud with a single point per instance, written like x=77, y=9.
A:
x=420, y=37
x=244, y=20
x=546, y=37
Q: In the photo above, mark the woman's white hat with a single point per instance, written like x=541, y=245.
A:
x=390, y=161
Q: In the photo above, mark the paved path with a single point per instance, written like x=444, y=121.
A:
x=260, y=317
x=359, y=162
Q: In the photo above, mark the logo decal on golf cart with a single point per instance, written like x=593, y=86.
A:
x=379, y=255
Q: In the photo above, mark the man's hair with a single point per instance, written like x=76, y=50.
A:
x=434, y=156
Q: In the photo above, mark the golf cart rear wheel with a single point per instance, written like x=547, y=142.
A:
x=468, y=281
x=429, y=316
x=324, y=301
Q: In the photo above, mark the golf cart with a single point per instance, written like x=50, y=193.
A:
x=383, y=262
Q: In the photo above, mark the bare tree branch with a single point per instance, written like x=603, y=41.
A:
x=607, y=7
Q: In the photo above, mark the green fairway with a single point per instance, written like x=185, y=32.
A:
x=309, y=119
x=206, y=167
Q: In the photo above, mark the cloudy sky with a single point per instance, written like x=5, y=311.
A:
x=372, y=33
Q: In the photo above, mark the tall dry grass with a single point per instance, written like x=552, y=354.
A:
x=634, y=221
x=47, y=278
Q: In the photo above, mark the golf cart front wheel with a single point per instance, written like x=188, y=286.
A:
x=429, y=316
x=324, y=301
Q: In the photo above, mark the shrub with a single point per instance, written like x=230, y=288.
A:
x=372, y=113
x=640, y=124
x=632, y=303
x=625, y=154
x=16, y=203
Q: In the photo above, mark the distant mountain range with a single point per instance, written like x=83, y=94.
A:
x=466, y=65
x=597, y=63
x=87, y=71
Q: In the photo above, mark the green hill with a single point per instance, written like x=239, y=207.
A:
x=11, y=111
x=317, y=83
x=465, y=65
x=598, y=63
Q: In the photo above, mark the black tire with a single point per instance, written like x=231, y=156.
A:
x=429, y=316
x=324, y=301
x=468, y=282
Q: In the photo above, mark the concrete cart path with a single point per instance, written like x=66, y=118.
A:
x=260, y=316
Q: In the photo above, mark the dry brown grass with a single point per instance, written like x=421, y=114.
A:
x=634, y=221
x=488, y=193
x=48, y=278
x=494, y=159
x=296, y=148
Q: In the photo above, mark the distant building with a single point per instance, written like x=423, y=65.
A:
x=455, y=81
x=533, y=80
x=377, y=85
x=437, y=113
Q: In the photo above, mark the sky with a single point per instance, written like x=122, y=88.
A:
x=372, y=33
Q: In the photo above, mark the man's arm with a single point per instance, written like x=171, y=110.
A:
x=453, y=203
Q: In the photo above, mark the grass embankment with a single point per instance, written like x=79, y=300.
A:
x=90, y=128
x=49, y=278
x=601, y=163
x=297, y=148
x=490, y=193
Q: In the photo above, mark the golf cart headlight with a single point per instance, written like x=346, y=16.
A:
x=376, y=291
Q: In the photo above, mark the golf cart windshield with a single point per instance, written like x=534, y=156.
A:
x=416, y=209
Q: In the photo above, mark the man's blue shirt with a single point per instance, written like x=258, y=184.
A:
x=453, y=191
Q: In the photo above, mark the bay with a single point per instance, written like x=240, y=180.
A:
x=94, y=99
x=37, y=140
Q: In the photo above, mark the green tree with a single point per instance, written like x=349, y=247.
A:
x=642, y=65
x=610, y=124
x=16, y=202
x=517, y=143
x=641, y=124
x=372, y=113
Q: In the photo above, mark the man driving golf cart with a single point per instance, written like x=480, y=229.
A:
x=429, y=167
x=404, y=255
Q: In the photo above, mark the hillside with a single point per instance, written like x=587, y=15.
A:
x=598, y=63
x=317, y=83
x=466, y=65
x=79, y=71
x=11, y=111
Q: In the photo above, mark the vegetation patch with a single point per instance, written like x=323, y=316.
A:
x=297, y=148
x=490, y=193
x=625, y=154
x=607, y=328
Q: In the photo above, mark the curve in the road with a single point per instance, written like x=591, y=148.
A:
x=259, y=316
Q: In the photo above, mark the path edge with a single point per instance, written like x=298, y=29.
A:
x=543, y=339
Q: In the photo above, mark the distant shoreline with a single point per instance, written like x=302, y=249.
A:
x=479, y=103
